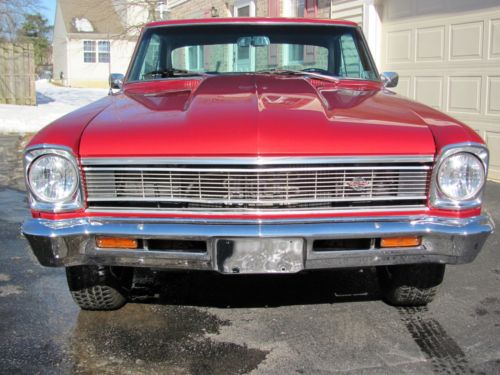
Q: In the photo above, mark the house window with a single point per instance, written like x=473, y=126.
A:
x=104, y=51
x=89, y=51
x=96, y=51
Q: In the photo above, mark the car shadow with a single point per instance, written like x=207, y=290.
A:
x=243, y=291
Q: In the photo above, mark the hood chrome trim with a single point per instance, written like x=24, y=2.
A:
x=264, y=160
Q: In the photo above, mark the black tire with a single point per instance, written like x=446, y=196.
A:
x=96, y=287
x=410, y=285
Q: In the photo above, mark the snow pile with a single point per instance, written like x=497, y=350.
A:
x=52, y=103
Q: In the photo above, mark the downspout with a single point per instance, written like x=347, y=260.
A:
x=68, y=73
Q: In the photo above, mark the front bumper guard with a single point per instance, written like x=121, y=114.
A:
x=72, y=242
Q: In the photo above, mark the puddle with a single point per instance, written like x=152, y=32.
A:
x=152, y=339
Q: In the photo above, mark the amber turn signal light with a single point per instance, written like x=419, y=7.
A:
x=411, y=241
x=116, y=243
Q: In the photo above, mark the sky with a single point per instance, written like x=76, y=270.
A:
x=48, y=9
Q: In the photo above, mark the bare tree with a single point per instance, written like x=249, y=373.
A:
x=136, y=13
x=12, y=15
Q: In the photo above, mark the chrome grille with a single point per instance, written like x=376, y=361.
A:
x=263, y=187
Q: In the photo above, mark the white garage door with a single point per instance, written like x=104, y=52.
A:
x=447, y=53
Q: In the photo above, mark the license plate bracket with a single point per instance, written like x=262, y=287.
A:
x=259, y=255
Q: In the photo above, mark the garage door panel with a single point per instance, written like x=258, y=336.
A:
x=493, y=141
x=430, y=44
x=429, y=90
x=466, y=41
x=399, y=46
x=404, y=86
x=494, y=39
x=493, y=106
x=464, y=94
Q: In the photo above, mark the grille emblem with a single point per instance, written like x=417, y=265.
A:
x=358, y=184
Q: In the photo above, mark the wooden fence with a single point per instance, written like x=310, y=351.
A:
x=17, y=74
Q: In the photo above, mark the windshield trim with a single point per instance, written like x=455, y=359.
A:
x=269, y=23
x=255, y=21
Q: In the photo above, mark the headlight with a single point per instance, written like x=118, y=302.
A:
x=461, y=176
x=53, y=178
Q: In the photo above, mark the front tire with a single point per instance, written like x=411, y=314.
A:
x=96, y=287
x=410, y=285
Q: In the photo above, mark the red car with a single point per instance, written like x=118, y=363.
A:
x=254, y=146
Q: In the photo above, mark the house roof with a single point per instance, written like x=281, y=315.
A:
x=246, y=20
x=90, y=17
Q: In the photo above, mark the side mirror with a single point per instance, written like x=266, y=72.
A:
x=390, y=79
x=115, y=81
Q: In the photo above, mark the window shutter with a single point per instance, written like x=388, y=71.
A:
x=310, y=51
x=311, y=10
x=273, y=11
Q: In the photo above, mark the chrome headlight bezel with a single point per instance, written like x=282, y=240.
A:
x=74, y=201
x=438, y=199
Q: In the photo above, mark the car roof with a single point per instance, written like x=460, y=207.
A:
x=251, y=20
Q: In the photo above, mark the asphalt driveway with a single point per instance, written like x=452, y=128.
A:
x=319, y=323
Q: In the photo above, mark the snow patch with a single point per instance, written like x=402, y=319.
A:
x=83, y=25
x=52, y=102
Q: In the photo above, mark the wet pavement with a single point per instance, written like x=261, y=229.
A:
x=320, y=323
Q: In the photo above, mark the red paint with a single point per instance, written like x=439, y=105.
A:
x=395, y=215
x=446, y=129
x=253, y=20
x=257, y=115
x=67, y=130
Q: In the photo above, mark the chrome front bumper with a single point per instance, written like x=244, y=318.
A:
x=72, y=242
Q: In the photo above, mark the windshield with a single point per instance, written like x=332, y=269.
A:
x=169, y=52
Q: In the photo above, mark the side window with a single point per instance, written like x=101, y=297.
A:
x=350, y=65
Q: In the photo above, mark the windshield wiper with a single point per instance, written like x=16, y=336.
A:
x=298, y=73
x=171, y=72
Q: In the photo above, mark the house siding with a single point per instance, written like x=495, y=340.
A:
x=59, y=49
x=96, y=74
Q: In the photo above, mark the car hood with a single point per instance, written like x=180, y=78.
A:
x=256, y=115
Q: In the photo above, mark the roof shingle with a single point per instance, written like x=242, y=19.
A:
x=91, y=17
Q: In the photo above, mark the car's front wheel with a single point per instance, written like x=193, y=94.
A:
x=97, y=287
x=410, y=285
